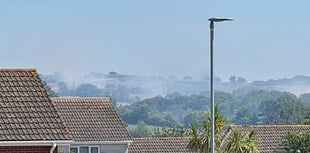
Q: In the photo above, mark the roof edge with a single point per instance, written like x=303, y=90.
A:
x=156, y=138
x=76, y=97
x=18, y=69
x=259, y=126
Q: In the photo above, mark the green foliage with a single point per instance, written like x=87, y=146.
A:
x=119, y=93
x=226, y=102
x=305, y=98
x=169, y=131
x=297, y=142
x=136, y=114
x=200, y=136
x=238, y=142
x=64, y=90
x=286, y=109
x=83, y=90
x=50, y=92
x=243, y=116
x=88, y=90
x=163, y=111
x=141, y=130
x=251, y=100
x=306, y=115
x=114, y=102
x=195, y=142
x=193, y=117
x=170, y=120
x=240, y=107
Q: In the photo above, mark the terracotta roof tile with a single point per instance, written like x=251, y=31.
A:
x=26, y=112
x=270, y=137
x=160, y=145
x=91, y=119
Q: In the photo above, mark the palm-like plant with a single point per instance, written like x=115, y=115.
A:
x=200, y=137
x=252, y=142
x=195, y=142
x=239, y=142
x=297, y=142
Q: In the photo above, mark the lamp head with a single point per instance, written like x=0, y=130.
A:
x=218, y=19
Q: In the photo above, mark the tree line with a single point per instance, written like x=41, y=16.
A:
x=241, y=107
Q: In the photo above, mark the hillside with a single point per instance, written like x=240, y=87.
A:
x=130, y=88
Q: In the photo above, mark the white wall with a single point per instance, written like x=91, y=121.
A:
x=113, y=148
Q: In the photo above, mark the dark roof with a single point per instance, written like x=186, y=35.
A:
x=26, y=112
x=270, y=137
x=160, y=145
x=91, y=119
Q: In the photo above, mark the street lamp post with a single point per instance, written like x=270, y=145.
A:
x=212, y=20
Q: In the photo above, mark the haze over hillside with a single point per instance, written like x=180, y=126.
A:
x=132, y=88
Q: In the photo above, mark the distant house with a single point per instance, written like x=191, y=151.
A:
x=28, y=120
x=270, y=137
x=94, y=125
x=160, y=145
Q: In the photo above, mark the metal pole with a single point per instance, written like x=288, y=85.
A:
x=212, y=20
x=211, y=88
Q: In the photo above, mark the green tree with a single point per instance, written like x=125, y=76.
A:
x=239, y=142
x=193, y=117
x=141, y=130
x=196, y=143
x=243, y=116
x=306, y=115
x=170, y=120
x=65, y=91
x=227, y=103
x=165, y=131
x=297, y=142
x=88, y=90
x=135, y=114
x=286, y=109
x=49, y=90
x=305, y=98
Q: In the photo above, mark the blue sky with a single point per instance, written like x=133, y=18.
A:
x=268, y=39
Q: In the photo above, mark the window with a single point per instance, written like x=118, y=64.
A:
x=74, y=150
x=84, y=149
x=94, y=150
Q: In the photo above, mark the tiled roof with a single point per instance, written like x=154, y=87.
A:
x=270, y=137
x=160, y=145
x=91, y=119
x=26, y=112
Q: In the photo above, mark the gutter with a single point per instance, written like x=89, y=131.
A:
x=34, y=143
x=53, y=148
